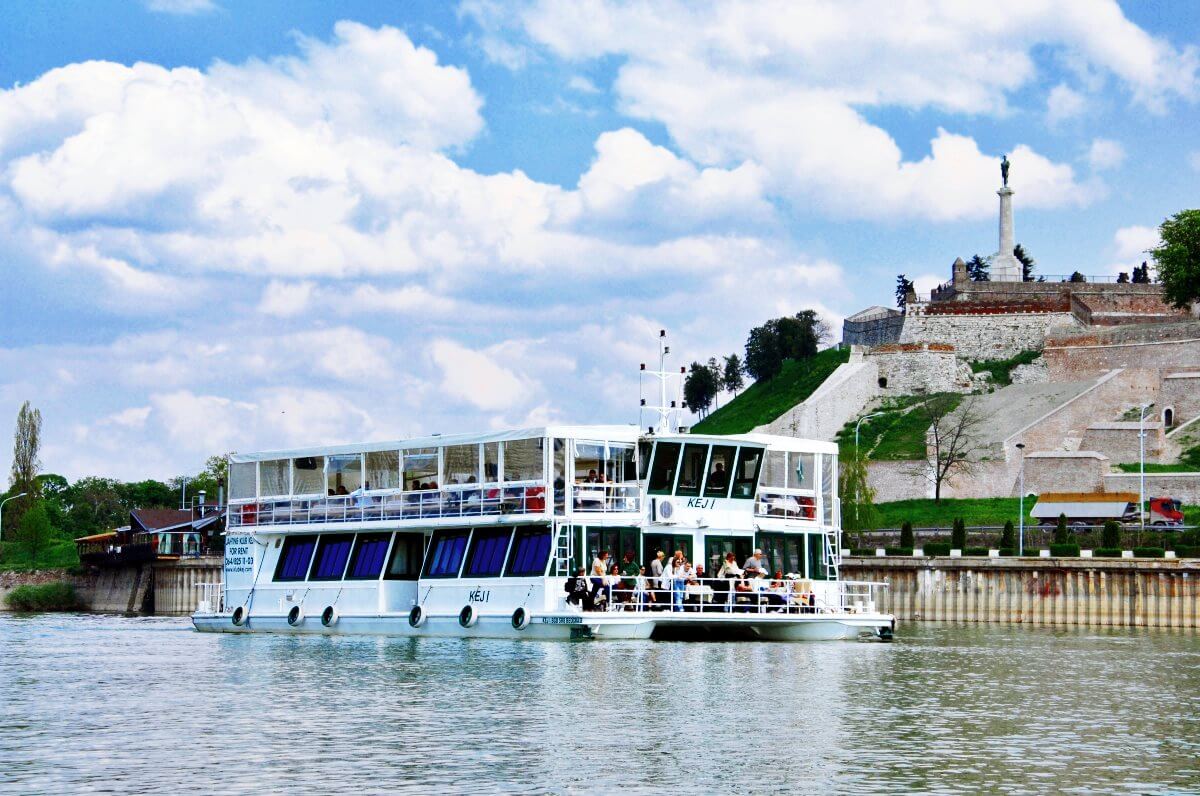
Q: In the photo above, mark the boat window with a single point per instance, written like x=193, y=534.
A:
x=344, y=474
x=242, y=480
x=816, y=557
x=589, y=462
x=666, y=461
x=746, y=473
x=828, y=465
x=720, y=465
x=560, y=475
x=383, y=470
x=332, y=554
x=461, y=464
x=308, y=476
x=488, y=548
x=783, y=552
x=529, y=553
x=420, y=468
x=620, y=466
x=370, y=549
x=645, y=447
x=523, y=460
x=774, y=474
x=446, y=554
x=691, y=470
x=294, y=557
x=802, y=472
x=491, y=462
x=407, y=554
x=274, y=477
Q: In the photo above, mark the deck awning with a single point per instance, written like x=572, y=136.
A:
x=96, y=537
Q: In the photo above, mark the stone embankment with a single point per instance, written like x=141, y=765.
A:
x=164, y=588
x=1038, y=591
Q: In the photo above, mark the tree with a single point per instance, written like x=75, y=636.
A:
x=1061, y=534
x=1110, y=537
x=1141, y=274
x=858, y=496
x=731, y=376
x=93, y=505
x=795, y=337
x=1177, y=258
x=764, y=359
x=952, y=438
x=906, y=535
x=1027, y=263
x=34, y=532
x=977, y=268
x=799, y=336
x=1078, y=277
x=27, y=443
x=1123, y=278
x=904, y=286
x=958, y=534
x=699, y=388
x=1008, y=538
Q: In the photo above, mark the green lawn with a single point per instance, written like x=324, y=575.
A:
x=1001, y=369
x=1133, y=467
x=924, y=513
x=764, y=401
x=60, y=554
x=897, y=435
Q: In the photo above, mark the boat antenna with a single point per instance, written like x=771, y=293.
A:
x=664, y=414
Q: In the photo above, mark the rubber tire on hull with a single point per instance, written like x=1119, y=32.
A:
x=295, y=616
x=416, y=617
x=239, y=615
x=520, y=619
x=329, y=616
x=467, y=617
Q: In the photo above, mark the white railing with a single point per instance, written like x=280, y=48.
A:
x=605, y=498
x=739, y=596
x=212, y=598
x=786, y=504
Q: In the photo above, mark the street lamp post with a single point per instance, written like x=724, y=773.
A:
x=857, y=460
x=1142, y=470
x=1021, y=489
x=2, y=502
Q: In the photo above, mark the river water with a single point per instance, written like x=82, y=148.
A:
x=126, y=705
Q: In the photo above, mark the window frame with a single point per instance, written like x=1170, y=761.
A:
x=408, y=539
x=656, y=460
x=359, y=541
x=330, y=539
x=712, y=450
x=483, y=535
x=753, y=480
x=288, y=542
x=525, y=532
x=431, y=549
x=703, y=473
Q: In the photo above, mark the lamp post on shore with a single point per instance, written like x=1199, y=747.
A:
x=2, y=502
x=1142, y=470
x=1021, y=489
x=857, y=460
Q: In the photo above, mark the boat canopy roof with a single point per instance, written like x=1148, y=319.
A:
x=772, y=441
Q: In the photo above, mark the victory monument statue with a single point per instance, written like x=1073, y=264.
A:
x=1004, y=169
x=1005, y=267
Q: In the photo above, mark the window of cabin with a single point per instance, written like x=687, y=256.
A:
x=720, y=468
x=589, y=462
x=488, y=550
x=243, y=480
x=774, y=471
x=620, y=466
x=666, y=463
x=446, y=552
x=344, y=473
x=383, y=470
x=828, y=465
x=802, y=471
x=420, y=468
x=308, y=476
x=691, y=470
x=816, y=557
x=370, y=550
x=559, y=463
x=645, y=448
x=461, y=464
x=407, y=554
x=530, y=552
x=294, y=557
x=274, y=478
x=523, y=460
x=491, y=462
x=745, y=474
x=333, y=551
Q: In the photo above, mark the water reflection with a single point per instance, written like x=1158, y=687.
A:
x=147, y=704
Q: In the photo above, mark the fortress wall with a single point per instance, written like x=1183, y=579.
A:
x=1063, y=429
x=1119, y=441
x=920, y=368
x=1184, y=486
x=1065, y=471
x=1072, y=356
x=876, y=331
x=1181, y=391
x=897, y=481
x=997, y=336
x=839, y=399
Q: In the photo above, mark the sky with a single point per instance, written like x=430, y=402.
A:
x=247, y=226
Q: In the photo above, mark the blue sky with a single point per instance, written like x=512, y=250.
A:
x=255, y=225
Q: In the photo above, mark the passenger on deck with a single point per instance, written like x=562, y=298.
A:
x=417, y=486
x=591, y=477
x=630, y=569
x=643, y=595
x=681, y=573
x=612, y=586
x=577, y=591
x=599, y=570
x=718, y=478
x=341, y=490
x=754, y=564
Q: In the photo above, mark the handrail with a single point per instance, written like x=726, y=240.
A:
x=734, y=595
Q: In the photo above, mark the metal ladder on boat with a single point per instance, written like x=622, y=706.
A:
x=833, y=553
x=564, y=548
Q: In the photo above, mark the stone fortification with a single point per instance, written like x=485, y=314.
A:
x=908, y=368
x=1077, y=353
x=982, y=337
x=839, y=399
x=1065, y=471
x=1182, y=486
x=1119, y=441
x=873, y=326
x=1180, y=395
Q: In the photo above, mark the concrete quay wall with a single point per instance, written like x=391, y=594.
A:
x=164, y=588
x=1037, y=591
x=176, y=584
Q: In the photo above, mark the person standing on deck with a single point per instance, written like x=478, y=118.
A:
x=599, y=570
x=630, y=569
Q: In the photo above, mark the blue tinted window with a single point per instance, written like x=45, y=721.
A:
x=332, y=553
x=293, y=560
x=369, y=553
x=530, y=552
x=487, y=553
x=446, y=554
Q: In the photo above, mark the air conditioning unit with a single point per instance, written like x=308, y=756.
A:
x=664, y=511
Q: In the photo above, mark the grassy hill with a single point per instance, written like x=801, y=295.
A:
x=897, y=434
x=764, y=401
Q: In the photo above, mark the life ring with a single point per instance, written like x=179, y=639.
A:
x=416, y=617
x=295, y=616
x=329, y=616
x=467, y=616
x=520, y=619
x=239, y=616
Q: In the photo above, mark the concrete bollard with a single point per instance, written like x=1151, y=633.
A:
x=956, y=553
x=1085, y=553
x=879, y=551
x=1126, y=554
x=918, y=552
x=1043, y=553
x=993, y=553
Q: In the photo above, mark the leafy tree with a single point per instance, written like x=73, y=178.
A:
x=764, y=359
x=1028, y=264
x=799, y=336
x=794, y=337
x=906, y=535
x=1078, y=277
x=1123, y=278
x=1110, y=536
x=148, y=494
x=977, y=268
x=958, y=534
x=27, y=444
x=34, y=533
x=858, y=496
x=1008, y=538
x=904, y=286
x=731, y=376
x=700, y=388
x=1177, y=259
x=1061, y=533
x=1141, y=274
x=94, y=504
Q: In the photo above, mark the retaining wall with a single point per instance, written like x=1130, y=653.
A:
x=985, y=336
x=839, y=398
x=175, y=584
x=1040, y=591
x=1075, y=355
x=1185, y=486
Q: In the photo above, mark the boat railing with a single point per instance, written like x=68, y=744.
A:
x=792, y=504
x=789, y=595
x=212, y=598
x=603, y=498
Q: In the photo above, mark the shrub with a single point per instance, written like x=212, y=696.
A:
x=937, y=549
x=1061, y=532
x=974, y=551
x=1064, y=550
x=958, y=536
x=862, y=551
x=898, y=551
x=43, y=597
x=1187, y=551
x=1106, y=552
x=1110, y=537
x=1008, y=551
x=1148, y=552
x=906, y=535
x=1009, y=537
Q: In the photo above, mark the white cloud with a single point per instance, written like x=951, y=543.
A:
x=285, y=299
x=475, y=378
x=1064, y=103
x=1105, y=154
x=183, y=7
x=1129, y=248
x=582, y=84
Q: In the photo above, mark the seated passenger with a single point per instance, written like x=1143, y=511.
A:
x=754, y=564
x=591, y=477
x=718, y=478
x=577, y=591
x=341, y=490
x=612, y=586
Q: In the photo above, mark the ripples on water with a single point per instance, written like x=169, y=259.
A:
x=138, y=705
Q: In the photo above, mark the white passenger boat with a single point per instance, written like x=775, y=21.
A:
x=481, y=535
